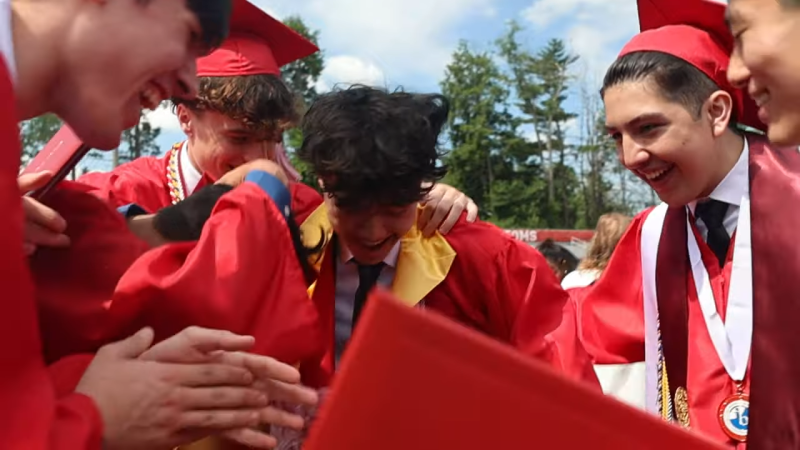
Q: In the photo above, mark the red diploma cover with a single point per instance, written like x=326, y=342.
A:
x=61, y=154
x=413, y=379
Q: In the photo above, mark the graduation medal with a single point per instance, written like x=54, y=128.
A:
x=734, y=415
x=174, y=178
x=682, y=406
x=733, y=338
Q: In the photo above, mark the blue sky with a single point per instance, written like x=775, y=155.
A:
x=409, y=42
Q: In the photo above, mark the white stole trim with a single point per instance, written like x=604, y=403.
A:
x=732, y=338
x=7, y=39
x=625, y=382
x=651, y=237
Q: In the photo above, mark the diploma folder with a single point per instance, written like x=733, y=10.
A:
x=60, y=155
x=414, y=380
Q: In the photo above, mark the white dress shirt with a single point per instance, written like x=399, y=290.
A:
x=346, y=287
x=191, y=176
x=730, y=190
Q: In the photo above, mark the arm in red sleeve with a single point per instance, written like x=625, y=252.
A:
x=543, y=317
x=142, y=181
x=77, y=425
x=77, y=418
x=241, y=275
x=611, y=311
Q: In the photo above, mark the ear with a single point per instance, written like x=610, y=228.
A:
x=719, y=108
x=185, y=118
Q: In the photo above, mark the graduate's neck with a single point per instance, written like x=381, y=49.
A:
x=729, y=148
x=38, y=28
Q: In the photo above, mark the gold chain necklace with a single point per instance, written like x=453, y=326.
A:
x=174, y=182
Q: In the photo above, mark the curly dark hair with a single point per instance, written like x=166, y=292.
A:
x=372, y=147
x=264, y=103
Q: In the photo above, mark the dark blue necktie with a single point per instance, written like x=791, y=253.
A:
x=367, y=277
x=712, y=213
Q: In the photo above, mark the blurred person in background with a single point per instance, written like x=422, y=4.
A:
x=609, y=230
x=560, y=260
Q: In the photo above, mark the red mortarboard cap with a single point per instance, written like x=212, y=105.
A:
x=258, y=44
x=694, y=31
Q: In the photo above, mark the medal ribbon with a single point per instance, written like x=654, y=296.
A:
x=174, y=174
x=732, y=339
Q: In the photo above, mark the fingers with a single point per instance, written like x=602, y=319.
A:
x=207, y=340
x=453, y=216
x=129, y=348
x=220, y=397
x=263, y=367
x=424, y=219
x=218, y=419
x=197, y=375
x=443, y=208
x=43, y=226
x=195, y=345
x=472, y=211
x=39, y=236
x=289, y=393
x=251, y=438
x=42, y=215
x=32, y=181
x=276, y=416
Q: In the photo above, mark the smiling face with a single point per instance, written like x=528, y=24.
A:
x=123, y=56
x=218, y=144
x=673, y=150
x=371, y=233
x=235, y=120
x=764, y=62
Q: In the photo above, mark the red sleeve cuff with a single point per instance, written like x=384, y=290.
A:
x=78, y=424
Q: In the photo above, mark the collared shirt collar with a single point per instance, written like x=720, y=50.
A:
x=736, y=183
x=191, y=176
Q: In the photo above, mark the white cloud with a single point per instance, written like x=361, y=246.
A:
x=596, y=28
x=163, y=118
x=400, y=37
x=347, y=69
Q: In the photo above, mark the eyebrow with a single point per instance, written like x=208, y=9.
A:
x=639, y=119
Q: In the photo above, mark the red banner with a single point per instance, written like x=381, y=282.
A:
x=531, y=235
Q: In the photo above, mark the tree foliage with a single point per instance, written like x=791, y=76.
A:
x=517, y=142
x=302, y=77
x=512, y=143
x=36, y=132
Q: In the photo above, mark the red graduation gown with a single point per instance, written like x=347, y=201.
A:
x=241, y=276
x=33, y=416
x=478, y=276
x=144, y=182
x=612, y=314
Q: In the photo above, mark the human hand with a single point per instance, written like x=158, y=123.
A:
x=146, y=403
x=442, y=208
x=43, y=226
x=236, y=176
x=278, y=381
